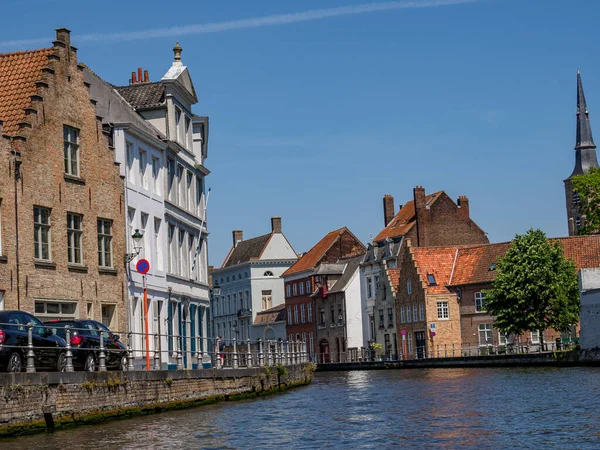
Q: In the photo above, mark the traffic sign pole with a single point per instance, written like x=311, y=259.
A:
x=143, y=266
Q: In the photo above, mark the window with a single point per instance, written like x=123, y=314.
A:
x=332, y=316
x=129, y=156
x=414, y=310
x=183, y=260
x=143, y=162
x=158, y=257
x=381, y=324
x=178, y=125
x=479, y=301
x=410, y=344
x=289, y=316
x=576, y=199
x=503, y=338
x=191, y=255
x=578, y=222
x=408, y=314
x=485, y=334
x=296, y=314
x=431, y=279
x=199, y=192
x=156, y=181
x=172, y=254
x=402, y=317
x=268, y=273
x=182, y=191
x=301, y=288
x=376, y=284
x=369, y=288
x=108, y=317
x=302, y=313
x=409, y=286
x=535, y=337
x=55, y=310
x=340, y=317
x=186, y=136
x=105, y=255
x=41, y=233
x=295, y=289
x=71, y=147
x=321, y=317
x=390, y=316
x=287, y=290
x=74, y=238
x=171, y=187
x=267, y=299
x=308, y=290
x=190, y=191
x=442, y=310
x=421, y=312
x=310, y=319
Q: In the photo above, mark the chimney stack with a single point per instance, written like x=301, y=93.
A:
x=463, y=205
x=133, y=78
x=237, y=237
x=420, y=214
x=139, y=76
x=276, y=224
x=388, y=209
x=63, y=35
x=146, y=77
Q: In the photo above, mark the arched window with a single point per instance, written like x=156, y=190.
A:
x=239, y=276
x=268, y=273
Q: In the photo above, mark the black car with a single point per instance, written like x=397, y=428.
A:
x=85, y=344
x=49, y=349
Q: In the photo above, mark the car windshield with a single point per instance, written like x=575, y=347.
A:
x=83, y=328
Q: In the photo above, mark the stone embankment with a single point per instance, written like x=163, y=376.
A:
x=32, y=402
x=548, y=359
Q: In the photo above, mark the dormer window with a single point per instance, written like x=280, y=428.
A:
x=431, y=279
x=268, y=273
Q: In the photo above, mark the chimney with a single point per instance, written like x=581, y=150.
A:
x=463, y=205
x=146, y=77
x=237, y=237
x=388, y=209
x=420, y=214
x=276, y=224
x=63, y=35
x=139, y=76
x=133, y=78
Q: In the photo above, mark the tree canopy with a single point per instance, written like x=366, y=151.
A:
x=535, y=288
x=587, y=186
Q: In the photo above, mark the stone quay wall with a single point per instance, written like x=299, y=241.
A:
x=32, y=402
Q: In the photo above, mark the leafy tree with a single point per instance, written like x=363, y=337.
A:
x=587, y=186
x=535, y=288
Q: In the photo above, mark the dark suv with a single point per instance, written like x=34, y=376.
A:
x=85, y=344
x=49, y=349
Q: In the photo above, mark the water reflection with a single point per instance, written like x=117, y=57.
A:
x=448, y=408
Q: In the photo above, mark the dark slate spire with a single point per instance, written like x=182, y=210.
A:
x=585, y=150
x=584, y=131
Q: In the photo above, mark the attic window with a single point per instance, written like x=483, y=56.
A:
x=492, y=267
x=431, y=279
x=268, y=273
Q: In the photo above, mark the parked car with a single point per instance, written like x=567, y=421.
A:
x=85, y=344
x=49, y=349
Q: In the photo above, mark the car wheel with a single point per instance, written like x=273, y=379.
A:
x=14, y=363
x=90, y=363
x=61, y=363
x=123, y=363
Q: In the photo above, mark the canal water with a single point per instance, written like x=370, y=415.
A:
x=417, y=408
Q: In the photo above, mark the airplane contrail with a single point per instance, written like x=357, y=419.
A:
x=256, y=22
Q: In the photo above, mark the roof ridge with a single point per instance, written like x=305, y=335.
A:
x=23, y=52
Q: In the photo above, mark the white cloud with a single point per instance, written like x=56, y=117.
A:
x=256, y=22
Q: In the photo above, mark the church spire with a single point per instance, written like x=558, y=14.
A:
x=584, y=131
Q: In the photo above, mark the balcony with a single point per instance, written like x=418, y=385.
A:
x=243, y=313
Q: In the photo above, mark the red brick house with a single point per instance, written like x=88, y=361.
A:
x=300, y=282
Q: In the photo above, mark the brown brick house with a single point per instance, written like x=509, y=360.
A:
x=300, y=283
x=61, y=200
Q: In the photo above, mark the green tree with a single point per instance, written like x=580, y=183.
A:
x=535, y=288
x=588, y=188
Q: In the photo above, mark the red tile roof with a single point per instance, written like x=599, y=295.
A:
x=437, y=261
x=404, y=220
x=18, y=74
x=473, y=263
x=394, y=279
x=311, y=258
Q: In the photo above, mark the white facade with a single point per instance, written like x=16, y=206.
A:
x=589, y=287
x=354, y=321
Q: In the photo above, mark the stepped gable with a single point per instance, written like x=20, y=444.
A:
x=19, y=72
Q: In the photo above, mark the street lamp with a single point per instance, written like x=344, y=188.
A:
x=137, y=246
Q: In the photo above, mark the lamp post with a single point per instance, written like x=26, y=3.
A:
x=137, y=238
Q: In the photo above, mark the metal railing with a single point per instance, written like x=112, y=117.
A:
x=164, y=352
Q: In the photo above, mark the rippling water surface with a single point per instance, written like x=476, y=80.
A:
x=449, y=408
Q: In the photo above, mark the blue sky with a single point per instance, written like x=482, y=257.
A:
x=316, y=120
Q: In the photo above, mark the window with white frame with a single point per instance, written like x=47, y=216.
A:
x=129, y=156
x=187, y=133
x=301, y=288
x=390, y=316
x=289, y=316
x=485, y=334
x=295, y=289
x=71, y=150
x=414, y=310
x=267, y=299
x=535, y=337
x=105, y=250
x=158, y=256
x=408, y=315
x=41, y=233
x=296, y=314
x=287, y=290
x=156, y=178
x=199, y=192
x=310, y=315
x=190, y=190
x=191, y=255
x=409, y=286
x=503, y=338
x=410, y=344
x=402, y=317
x=308, y=290
x=55, y=310
x=179, y=124
x=421, y=312
x=172, y=254
x=74, y=238
x=479, y=301
x=142, y=166
x=182, y=201
x=381, y=319
x=376, y=285
x=302, y=313
x=171, y=184
x=369, y=288
x=183, y=259
x=442, y=310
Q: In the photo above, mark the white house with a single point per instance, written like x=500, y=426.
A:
x=589, y=287
x=250, y=282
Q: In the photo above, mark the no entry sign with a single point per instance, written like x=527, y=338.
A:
x=142, y=266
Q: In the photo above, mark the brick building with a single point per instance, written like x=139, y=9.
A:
x=301, y=282
x=61, y=199
x=427, y=220
x=585, y=158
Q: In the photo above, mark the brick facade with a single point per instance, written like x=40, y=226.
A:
x=61, y=99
